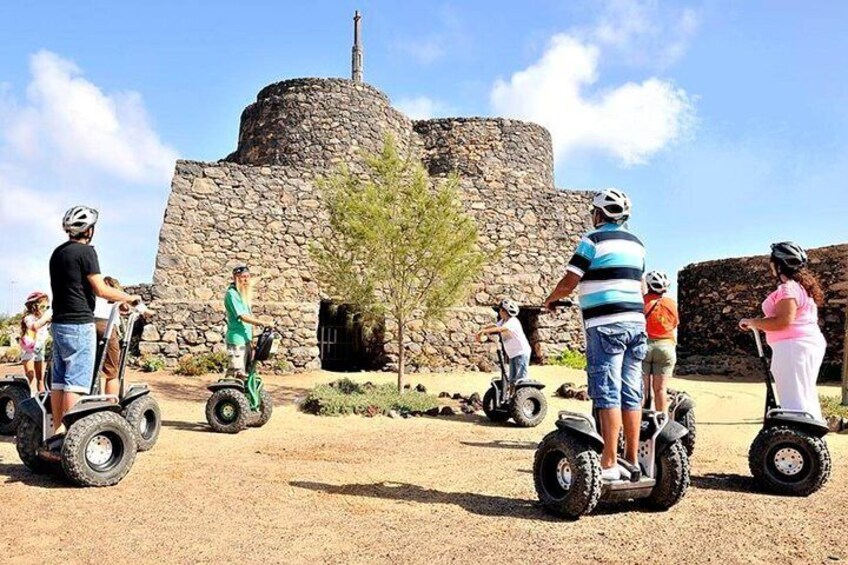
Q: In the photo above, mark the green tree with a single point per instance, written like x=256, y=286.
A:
x=400, y=246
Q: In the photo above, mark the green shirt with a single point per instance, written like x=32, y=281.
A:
x=238, y=332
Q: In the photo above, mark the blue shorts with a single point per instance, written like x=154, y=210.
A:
x=74, y=347
x=614, y=355
x=518, y=368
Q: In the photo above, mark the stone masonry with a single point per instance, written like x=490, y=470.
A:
x=715, y=295
x=261, y=206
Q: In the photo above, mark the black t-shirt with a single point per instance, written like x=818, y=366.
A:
x=73, y=298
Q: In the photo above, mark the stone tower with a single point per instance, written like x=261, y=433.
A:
x=260, y=206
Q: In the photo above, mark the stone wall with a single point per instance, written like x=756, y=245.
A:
x=714, y=295
x=261, y=207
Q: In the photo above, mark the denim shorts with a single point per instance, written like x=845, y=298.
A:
x=518, y=368
x=614, y=355
x=74, y=347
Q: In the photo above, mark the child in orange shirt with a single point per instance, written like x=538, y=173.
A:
x=661, y=320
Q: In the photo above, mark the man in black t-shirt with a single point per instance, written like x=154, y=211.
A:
x=75, y=280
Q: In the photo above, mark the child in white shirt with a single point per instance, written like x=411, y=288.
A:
x=515, y=342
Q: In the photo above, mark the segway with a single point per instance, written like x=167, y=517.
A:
x=789, y=456
x=237, y=403
x=567, y=465
x=100, y=445
x=522, y=401
x=139, y=407
x=681, y=408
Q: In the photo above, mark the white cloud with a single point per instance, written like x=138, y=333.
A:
x=66, y=142
x=421, y=107
x=642, y=32
x=67, y=117
x=631, y=121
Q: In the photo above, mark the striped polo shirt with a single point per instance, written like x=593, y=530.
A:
x=610, y=261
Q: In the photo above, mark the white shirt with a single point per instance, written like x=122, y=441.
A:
x=515, y=342
x=102, y=308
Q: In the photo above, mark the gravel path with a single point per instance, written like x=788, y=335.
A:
x=424, y=490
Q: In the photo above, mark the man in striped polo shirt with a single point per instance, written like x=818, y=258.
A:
x=606, y=270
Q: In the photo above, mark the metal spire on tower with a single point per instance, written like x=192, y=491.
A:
x=356, y=56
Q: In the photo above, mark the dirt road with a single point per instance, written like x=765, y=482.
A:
x=423, y=490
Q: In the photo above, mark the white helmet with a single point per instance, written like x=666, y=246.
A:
x=510, y=307
x=657, y=281
x=78, y=219
x=614, y=203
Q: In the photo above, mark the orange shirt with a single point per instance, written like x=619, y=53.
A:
x=663, y=318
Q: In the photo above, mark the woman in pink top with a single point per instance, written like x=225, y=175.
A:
x=792, y=329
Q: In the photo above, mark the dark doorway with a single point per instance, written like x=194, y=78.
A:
x=529, y=318
x=344, y=341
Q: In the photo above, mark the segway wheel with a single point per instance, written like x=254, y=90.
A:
x=10, y=400
x=789, y=461
x=672, y=477
x=266, y=409
x=28, y=442
x=529, y=407
x=227, y=411
x=144, y=417
x=687, y=420
x=99, y=450
x=567, y=475
x=497, y=415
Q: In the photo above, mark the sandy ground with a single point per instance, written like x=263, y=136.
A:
x=424, y=490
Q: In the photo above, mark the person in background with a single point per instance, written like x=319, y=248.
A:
x=75, y=280
x=607, y=269
x=102, y=311
x=791, y=324
x=34, y=337
x=515, y=342
x=661, y=320
x=240, y=320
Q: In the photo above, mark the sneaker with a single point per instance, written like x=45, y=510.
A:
x=611, y=474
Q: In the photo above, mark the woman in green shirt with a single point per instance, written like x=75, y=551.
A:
x=240, y=319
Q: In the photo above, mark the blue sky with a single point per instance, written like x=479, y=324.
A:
x=727, y=122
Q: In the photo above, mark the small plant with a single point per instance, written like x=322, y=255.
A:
x=5, y=340
x=12, y=355
x=346, y=386
x=191, y=366
x=216, y=362
x=151, y=363
x=831, y=406
x=332, y=400
x=281, y=366
x=571, y=359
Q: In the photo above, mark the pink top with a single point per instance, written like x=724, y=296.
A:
x=806, y=321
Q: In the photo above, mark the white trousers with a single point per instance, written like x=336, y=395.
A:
x=795, y=364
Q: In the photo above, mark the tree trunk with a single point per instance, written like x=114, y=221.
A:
x=845, y=362
x=401, y=357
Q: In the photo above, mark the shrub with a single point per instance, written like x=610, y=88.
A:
x=12, y=355
x=5, y=340
x=333, y=400
x=151, y=363
x=191, y=366
x=570, y=359
x=216, y=362
x=831, y=406
x=281, y=366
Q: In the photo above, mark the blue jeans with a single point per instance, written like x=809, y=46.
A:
x=74, y=347
x=614, y=355
x=518, y=368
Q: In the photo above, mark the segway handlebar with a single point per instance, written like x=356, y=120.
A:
x=760, y=353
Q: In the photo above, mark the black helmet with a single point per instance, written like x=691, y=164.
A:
x=789, y=257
